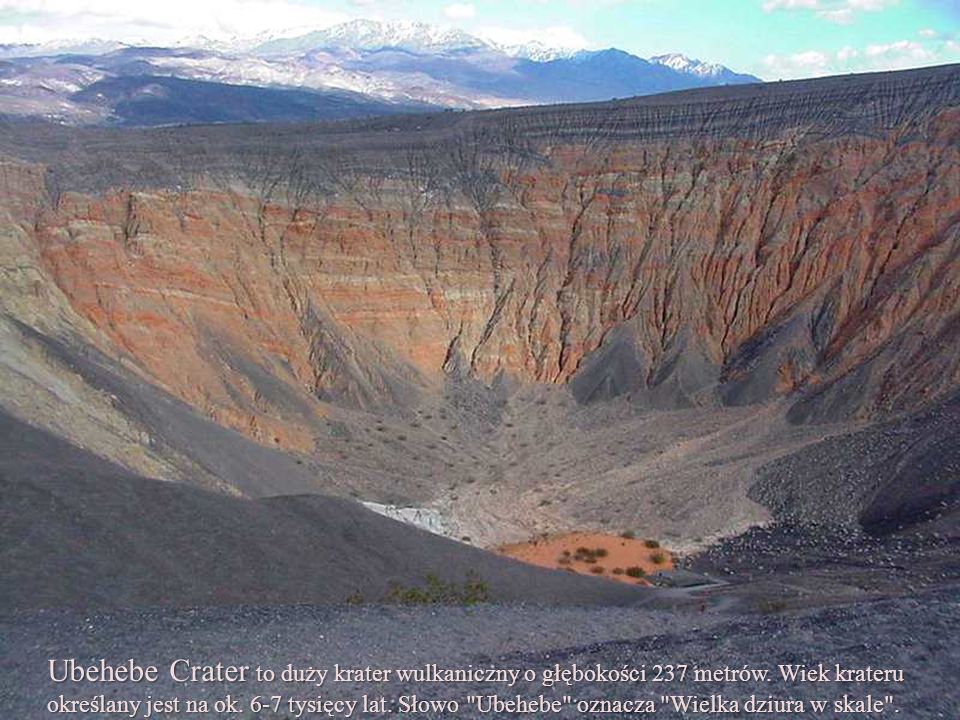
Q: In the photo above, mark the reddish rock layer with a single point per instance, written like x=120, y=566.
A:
x=699, y=270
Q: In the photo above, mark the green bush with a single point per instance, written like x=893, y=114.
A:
x=769, y=606
x=652, y=544
x=658, y=558
x=437, y=592
x=635, y=571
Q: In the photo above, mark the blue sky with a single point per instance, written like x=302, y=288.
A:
x=770, y=38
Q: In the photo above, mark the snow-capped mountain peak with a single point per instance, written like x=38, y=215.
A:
x=536, y=51
x=692, y=66
x=370, y=35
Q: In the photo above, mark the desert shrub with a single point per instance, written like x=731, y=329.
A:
x=354, y=598
x=652, y=544
x=597, y=570
x=658, y=558
x=771, y=606
x=437, y=592
x=563, y=561
x=398, y=594
x=600, y=552
x=635, y=571
x=583, y=551
x=475, y=590
x=618, y=571
x=628, y=534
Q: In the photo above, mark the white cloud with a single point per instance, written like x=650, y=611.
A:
x=771, y=5
x=870, y=5
x=897, y=55
x=900, y=49
x=460, y=11
x=558, y=36
x=804, y=64
x=841, y=12
x=847, y=53
x=164, y=21
x=843, y=16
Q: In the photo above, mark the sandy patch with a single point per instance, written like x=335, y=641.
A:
x=623, y=559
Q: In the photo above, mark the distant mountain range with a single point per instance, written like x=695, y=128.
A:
x=359, y=68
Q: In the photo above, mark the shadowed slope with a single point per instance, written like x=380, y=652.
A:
x=77, y=530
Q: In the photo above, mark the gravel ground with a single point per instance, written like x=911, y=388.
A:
x=800, y=566
x=915, y=633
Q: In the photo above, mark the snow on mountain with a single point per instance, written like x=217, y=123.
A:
x=714, y=72
x=414, y=37
x=401, y=64
x=684, y=64
x=323, y=71
x=536, y=51
x=370, y=35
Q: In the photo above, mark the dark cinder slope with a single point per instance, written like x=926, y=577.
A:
x=867, y=104
x=885, y=478
x=204, y=453
x=77, y=530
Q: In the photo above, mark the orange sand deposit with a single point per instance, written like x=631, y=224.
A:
x=609, y=552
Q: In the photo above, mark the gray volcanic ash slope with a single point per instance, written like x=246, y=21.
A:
x=80, y=531
x=889, y=477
